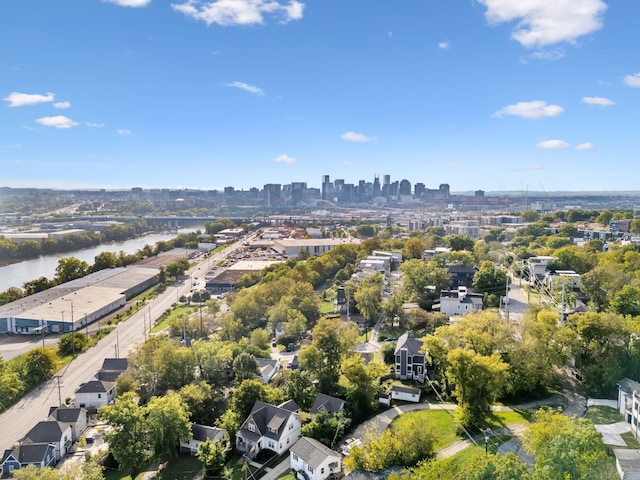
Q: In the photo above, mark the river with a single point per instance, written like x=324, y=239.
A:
x=16, y=274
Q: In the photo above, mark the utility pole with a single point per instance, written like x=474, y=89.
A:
x=57, y=377
x=86, y=325
x=144, y=327
x=43, y=329
x=506, y=296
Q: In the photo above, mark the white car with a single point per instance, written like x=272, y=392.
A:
x=349, y=444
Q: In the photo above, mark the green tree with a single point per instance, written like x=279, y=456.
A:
x=127, y=438
x=413, y=248
x=70, y=268
x=491, y=281
x=459, y=242
x=326, y=428
x=245, y=367
x=363, y=384
x=37, y=285
x=530, y=216
x=72, y=343
x=213, y=456
x=298, y=386
x=104, y=260
x=567, y=448
x=167, y=421
x=626, y=301
x=40, y=364
x=478, y=381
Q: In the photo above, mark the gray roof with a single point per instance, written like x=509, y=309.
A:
x=312, y=452
x=266, y=416
x=327, y=403
x=290, y=405
x=115, y=364
x=408, y=341
x=628, y=386
x=400, y=388
x=48, y=431
x=67, y=415
x=95, y=386
x=30, y=453
x=203, y=433
x=108, y=376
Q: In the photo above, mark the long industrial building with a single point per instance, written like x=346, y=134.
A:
x=73, y=305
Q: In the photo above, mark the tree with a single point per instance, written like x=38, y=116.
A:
x=246, y=395
x=326, y=428
x=37, y=285
x=87, y=470
x=245, y=367
x=104, y=260
x=418, y=275
x=298, y=386
x=530, y=216
x=496, y=467
x=368, y=302
x=213, y=456
x=128, y=434
x=567, y=448
x=167, y=421
x=413, y=248
x=459, y=242
x=478, y=380
x=40, y=364
x=491, y=281
x=72, y=343
x=203, y=403
x=363, y=382
x=626, y=301
x=70, y=268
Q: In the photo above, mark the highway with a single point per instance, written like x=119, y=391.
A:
x=34, y=407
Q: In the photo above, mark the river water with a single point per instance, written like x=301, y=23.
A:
x=16, y=274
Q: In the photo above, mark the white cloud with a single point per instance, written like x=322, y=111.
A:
x=16, y=99
x=547, y=22
x=552, y=55
x=356, y=137
x=601, y=101
x=455, y=164
x=95, y=125
x=535, y=109
x=240, y=12
x=444, y=45
x=61, y=105
x=122, y=131
x=285, y=159
x=245, y=86
x=586, y=146
x=550, y=144
x=59, y=121
x=129, y=3
x=632, y=80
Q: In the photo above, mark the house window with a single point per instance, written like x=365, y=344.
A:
x=295, y=457
x=322, y=470
x=291, y=426
x=99, y=395
x=309, y=468
x=251, y=427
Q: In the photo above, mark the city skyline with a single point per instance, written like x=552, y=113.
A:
x=196, y=94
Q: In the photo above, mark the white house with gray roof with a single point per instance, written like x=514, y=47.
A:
x=629, y=403
x=311, y=460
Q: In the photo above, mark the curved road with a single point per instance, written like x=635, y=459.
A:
x=34, y=407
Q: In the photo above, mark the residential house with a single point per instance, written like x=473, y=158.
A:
x=268, y=427
x=327, y=404
x=458, y=302
x=409, y=358
x=95, y=393
x=50, y=431
x=268, y=368
x=311, y=460
x=39, y=454
x=629, y=403
x=76, y=418
x=461, y=276
x=406, y=394
x=202, y=433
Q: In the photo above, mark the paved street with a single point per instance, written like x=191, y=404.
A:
x=34, y=407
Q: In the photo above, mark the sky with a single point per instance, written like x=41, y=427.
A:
x=499, y=95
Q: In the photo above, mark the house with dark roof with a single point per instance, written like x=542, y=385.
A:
x=459, y=302
x=268, y=427
x=76, y=418
x=115, y=365
x=327, y=404
x=50, y=432
x=38, y=454
x=460, y=276
x=311, y=460
x=202, y=433
x=95, y=393
x=409, y=359
x=629, y=403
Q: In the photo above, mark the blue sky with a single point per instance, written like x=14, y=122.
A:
x=481, y=94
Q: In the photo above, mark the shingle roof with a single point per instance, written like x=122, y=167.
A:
x=203, y=433
x=312, y=452
x=48, y=431
x=108, y=376
x=327, y=403
x=629, y=386
x=29, y=453
x=95, y=386
x=115, y=364
x=265, y=417
x=290, y=406
x=400, y=388
x=406, y=340
x=67, y=415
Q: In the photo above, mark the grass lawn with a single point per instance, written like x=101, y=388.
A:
x=176, y=312
x=460, y=460
x=327, y=307
x=183, y=467
x=440, y=421
x=287, y=476
x=630, y=441
x=118, y=475
x=603, y=415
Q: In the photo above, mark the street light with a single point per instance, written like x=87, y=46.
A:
x=486, y=432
